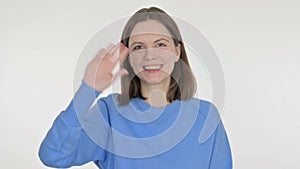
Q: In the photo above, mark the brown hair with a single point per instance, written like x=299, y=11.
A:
x=182, y=83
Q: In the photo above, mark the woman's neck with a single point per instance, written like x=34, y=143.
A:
x=155, y=93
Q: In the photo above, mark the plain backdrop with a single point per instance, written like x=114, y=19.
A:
x=257, y=42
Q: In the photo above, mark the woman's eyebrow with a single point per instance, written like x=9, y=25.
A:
x=137, y=42
x=161, y=39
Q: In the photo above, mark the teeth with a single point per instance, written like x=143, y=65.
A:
x=152, y=67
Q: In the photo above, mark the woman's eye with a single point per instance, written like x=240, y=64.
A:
x=161, y=45
x=137, y=47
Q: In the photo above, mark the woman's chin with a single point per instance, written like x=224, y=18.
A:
x=155, y=80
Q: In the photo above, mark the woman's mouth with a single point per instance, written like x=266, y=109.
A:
x=152, y=68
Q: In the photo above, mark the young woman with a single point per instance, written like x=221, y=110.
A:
x=154, y=123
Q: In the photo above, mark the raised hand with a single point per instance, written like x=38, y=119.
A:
x=98, y=73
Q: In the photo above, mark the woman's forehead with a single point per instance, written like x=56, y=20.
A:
x=150, y=27
x=149, y=37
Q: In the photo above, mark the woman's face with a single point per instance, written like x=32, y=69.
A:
x=152, y=52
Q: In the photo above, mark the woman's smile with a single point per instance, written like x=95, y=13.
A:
x=155, y=68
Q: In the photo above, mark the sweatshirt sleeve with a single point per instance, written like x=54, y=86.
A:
x=66, y=143
x=221, y=155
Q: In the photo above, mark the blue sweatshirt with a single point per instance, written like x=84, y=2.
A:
x=181, y=135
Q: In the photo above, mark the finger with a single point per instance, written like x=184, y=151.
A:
x=108, y=51
x=100, y=54
x=111, y=52
x=116, y=52
x=123, y=53
x=110, y=46
x=121, y=73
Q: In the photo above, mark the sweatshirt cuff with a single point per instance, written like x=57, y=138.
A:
x=81, y=103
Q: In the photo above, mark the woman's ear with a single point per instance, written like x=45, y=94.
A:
x=178, y=51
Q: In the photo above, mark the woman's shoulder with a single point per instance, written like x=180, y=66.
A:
x=201, y=101
x=109, y=98
x=204, y=107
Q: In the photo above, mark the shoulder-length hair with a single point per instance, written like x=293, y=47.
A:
x=182, y=83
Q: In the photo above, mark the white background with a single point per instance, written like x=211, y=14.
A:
x=257, y=43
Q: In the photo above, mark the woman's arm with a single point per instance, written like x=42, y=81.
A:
x=221, y=155
x=66, y=143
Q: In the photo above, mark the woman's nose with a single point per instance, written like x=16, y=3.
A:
x=149, y=54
